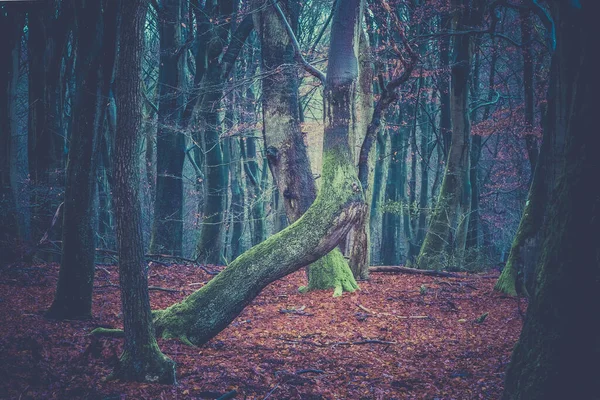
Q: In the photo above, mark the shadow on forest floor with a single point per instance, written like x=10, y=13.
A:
x=400, y=337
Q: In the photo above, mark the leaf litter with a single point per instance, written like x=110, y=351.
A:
x=390, y=340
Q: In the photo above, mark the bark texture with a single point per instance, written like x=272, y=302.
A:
x=286, y=149
x=141, y=360
x=556, y=356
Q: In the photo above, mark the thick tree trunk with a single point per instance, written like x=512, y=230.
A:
x=284, y=142
x=360, y=251
x=96, y=37
x=11, y=27
x=557, y=353
x=339, y=204
x=519, y=275
x=141, y=359
x=167, y=227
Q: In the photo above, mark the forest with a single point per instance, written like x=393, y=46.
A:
x=299, y=199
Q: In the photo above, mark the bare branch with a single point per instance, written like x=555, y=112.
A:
x=299, y=57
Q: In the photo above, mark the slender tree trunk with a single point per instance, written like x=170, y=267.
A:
x=219, y=61
x=390, y=236
x=48, y=31
x=556, y=356
x=167, y=227
x=141, y=359
x=338, y=206
x=11, y=27
x=448, y=227
x=96, y=37
x=530, y=141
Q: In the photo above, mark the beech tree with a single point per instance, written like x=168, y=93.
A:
x=284, y=142
x=557, y=352
x=339, y=205
x=141, y=360
x=448, y=228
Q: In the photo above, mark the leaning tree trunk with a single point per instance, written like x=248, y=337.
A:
x=73, y=296
x=141, y=359
x=339, y=205
x=284, y=142
x=167, y=227
x=559, y=347
x=11, y=27
x=448, y=227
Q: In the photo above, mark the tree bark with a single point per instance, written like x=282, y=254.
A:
x=284, y=142
x=141, y=359
x=556, y=356
x=337, y=207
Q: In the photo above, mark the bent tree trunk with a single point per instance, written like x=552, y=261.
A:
x=286, y=150
x=141, y=360
x=338, y=206
x=559, y=347
x=73, y=296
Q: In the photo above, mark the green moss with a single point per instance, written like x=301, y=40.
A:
x=331, y=272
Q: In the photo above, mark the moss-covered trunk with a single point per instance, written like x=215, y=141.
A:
x=339, y=205
x=167, y=226
x=95, y=47
x=141, y=360
x=284, y=141
x=559, y=347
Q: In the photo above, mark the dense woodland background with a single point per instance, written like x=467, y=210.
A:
x=440, y=135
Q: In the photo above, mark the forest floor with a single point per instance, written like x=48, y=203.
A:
x=399, y=337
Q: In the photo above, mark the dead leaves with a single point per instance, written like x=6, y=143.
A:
x=387, y=341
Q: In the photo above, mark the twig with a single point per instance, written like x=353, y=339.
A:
x=163, y=289
x=359, y=342
x=306, y=371
x=271, y=391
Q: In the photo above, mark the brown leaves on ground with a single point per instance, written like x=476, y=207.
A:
x=400, y=337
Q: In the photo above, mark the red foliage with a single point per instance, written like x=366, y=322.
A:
x=285, y=345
